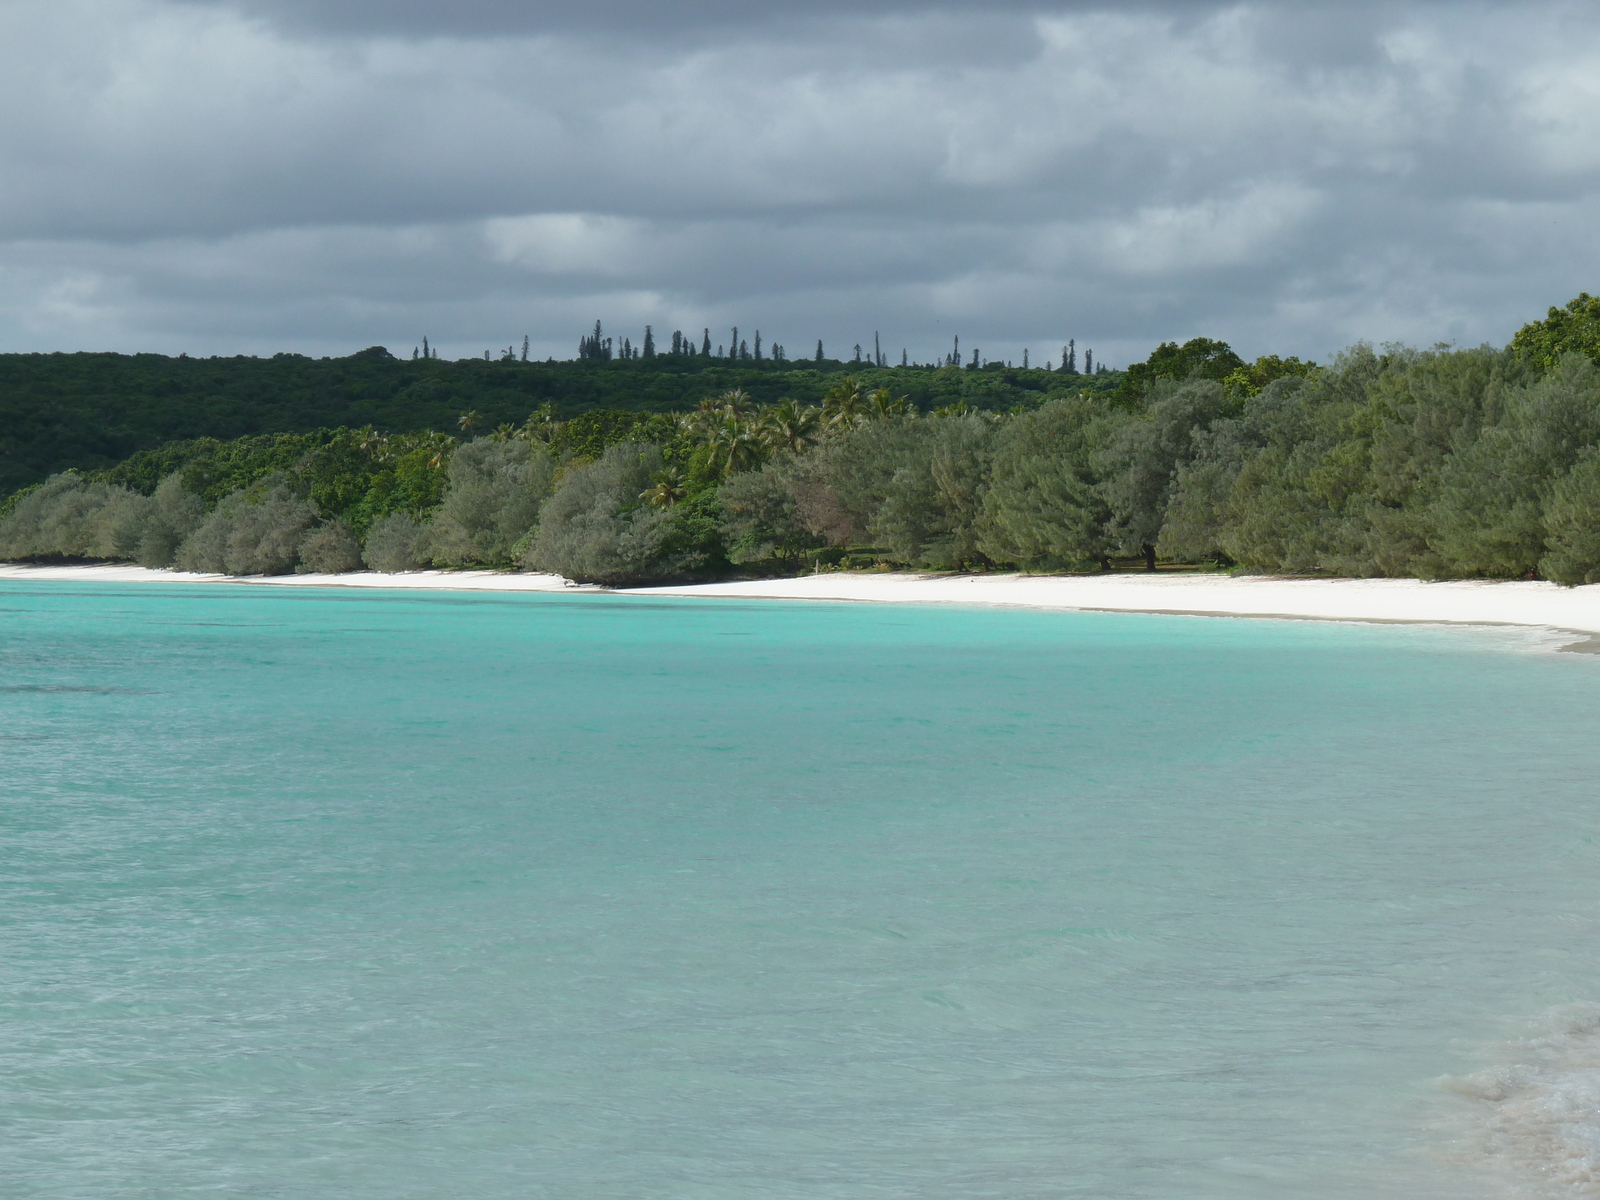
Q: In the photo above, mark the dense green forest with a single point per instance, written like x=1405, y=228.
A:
x=87, y=411
x=1436, y=464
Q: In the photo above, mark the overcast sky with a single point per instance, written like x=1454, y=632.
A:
x=323, y=175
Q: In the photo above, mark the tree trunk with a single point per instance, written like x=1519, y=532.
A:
x=1149, y=556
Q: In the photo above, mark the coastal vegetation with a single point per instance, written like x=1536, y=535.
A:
x=87, y=412
x=1442, y=463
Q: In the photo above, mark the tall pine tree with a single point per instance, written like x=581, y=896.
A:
x=595, y=346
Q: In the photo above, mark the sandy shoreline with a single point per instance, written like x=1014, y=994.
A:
x=1469, y=602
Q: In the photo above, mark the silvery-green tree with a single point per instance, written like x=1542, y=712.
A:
x=496, y=488
x=1044, y=507
x=932, y=475
x=599, y=527
x=1572, y=524
x=1141, y=460
x=760, y=517
x=172, y=515
x=392, y=544
x=330, y=549
x=1300, y=502
x=68, y=516
x=1489, y=518
x=254, y=531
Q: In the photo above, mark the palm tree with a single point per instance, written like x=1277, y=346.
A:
x=541, y=425
x=468, y=421
x=373, y=443
x=713, y=410
x=702, y=415
x=727, y=426
x=442, y=444
x=844, y=405
x=882, y=407
x=733, y=445
x=666, y=490
x=789, y=426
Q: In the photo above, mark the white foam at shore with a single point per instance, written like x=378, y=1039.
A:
x=1539, y=1112
x=1474, y=602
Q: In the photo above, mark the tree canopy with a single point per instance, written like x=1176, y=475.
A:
x=1435, y=464
x=1201, y=356
x=1574, y=329
x=90, y=411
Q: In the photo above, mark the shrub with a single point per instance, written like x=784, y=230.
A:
x=1142, y=458
x=256, y=531
x=172, y=515
x=392, y=545
x=330, y=549
x=71, y=517
x=1490, y=511
x=496, y=488
x=1044, y=507
x=596, y=529
x=760, y=516
x=1572, y=521
x=909, y=487
x=933, y=474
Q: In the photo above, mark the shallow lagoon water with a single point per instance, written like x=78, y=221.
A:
x=311, y=893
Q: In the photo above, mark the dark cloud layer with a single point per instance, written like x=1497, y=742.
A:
x=275, y=174
x=612, y=19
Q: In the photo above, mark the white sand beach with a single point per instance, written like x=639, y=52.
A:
x=1474, y=602
x=471, y=581
x=1470, y=602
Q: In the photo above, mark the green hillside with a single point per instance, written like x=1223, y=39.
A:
x=89, y=411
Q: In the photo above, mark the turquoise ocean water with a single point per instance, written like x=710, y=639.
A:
x=313, y=893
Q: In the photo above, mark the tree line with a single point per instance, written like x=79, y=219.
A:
x=91, y=411
x=597, y=346
x=1433, y=464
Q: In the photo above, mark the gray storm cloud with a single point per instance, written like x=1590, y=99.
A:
x=247, y=178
